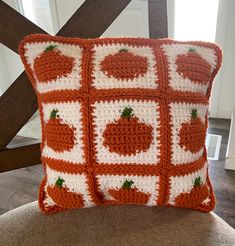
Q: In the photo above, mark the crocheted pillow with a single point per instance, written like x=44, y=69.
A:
x=123, y=120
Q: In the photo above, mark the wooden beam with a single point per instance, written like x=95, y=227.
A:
x=158, y=19
x=89, y=21
x=93, y=18
x=11, y=159
x=14, y=27
x=18, y=103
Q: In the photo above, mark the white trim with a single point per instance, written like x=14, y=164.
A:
x=19, y=6
x=230, y=153
x=171, y=18
x=54, y=16
x=230, y=163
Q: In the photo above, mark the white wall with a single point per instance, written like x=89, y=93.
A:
x=133, y=21
x=223, y=97
x=14, y=64
x=4, y=72
x=10, y=64
x=38, y=11
x=62, y=12
x=10, y=67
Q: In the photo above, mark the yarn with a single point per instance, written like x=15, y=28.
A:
x=200, y=69
x=128, y=195
x=194, y=130
x=132, y=66
x=51, y=64
x=127, y=136
x=59, y=136
x=195, y=197
x=123, y=120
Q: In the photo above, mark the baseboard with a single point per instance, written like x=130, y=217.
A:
x=230, y=163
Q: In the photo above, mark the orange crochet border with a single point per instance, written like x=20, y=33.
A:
x=87, y=95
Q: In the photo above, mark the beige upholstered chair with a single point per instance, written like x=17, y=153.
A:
x=123, y=225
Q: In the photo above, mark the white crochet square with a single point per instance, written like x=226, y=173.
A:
x=74, y=182
x=100, y=80
x=184, y=183
x=69, y=113
x=176, y=81
x=146, y=184
x=71, y=81
x=181, y=113
x=105, y=112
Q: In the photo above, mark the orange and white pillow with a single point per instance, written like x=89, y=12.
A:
x=123, y=120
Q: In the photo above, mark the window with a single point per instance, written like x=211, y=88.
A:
x=195, y=19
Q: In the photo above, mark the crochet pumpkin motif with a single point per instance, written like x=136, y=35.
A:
x=195, y=197
x=124, y=65
x=192, y=134
x=130, y=195
x=63, y=197
x=59, y=136
x=123, y=120
x=51, y=64
x=194, y=67
x=127, y=135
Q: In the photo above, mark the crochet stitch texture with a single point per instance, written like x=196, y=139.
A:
x=123, y=120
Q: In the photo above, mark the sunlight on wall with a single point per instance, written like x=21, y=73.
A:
x=29, y=10
x=38, y=11
x=196, y=19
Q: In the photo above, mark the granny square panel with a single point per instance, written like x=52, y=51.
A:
x=124, y=120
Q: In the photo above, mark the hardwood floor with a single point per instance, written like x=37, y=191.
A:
x=21, y=186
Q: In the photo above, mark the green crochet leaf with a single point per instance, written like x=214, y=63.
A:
x=54, y=113
x=59, y=182
x=50, y=48
x=194, y=113
x=197, y=182
x=127, y=112
x=127, y=184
